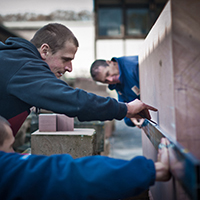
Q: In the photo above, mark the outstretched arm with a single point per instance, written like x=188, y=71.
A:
x=61, y=176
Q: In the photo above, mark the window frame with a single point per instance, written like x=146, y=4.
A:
x=125, y=6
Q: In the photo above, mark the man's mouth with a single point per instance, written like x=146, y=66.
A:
x=60, y=74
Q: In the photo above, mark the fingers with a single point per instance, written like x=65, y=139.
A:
x=137, y=107
x=160, y=146
x=162, y=164
x=163, y=143
x=145, y=114
x=138, y=122
x=135, y=121
x=162, y=151
x=151, y=108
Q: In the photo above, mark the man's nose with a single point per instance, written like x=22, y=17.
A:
x=68, y=67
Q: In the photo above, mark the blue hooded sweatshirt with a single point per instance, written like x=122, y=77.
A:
x=26, y=81
x=60, y=177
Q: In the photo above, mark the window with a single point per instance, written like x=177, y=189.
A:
x=110, y=22
x=137, y=21
x=125, y=20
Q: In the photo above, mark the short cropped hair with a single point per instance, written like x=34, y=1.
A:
x=94, y=67
x=3, y=131
x=55, y=35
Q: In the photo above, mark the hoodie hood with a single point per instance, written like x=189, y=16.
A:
x=17, y=43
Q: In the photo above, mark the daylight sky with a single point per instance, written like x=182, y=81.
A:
x=43, y=6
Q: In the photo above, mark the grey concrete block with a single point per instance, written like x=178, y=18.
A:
x=99, y=128
x=77, y=143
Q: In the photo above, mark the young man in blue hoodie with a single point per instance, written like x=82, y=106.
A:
x=31, y=177
x=30, y=72
x=30, y=77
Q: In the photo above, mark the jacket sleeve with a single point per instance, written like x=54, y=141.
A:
x=62, y=177
x=37, y=86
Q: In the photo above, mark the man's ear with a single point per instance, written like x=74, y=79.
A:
x=44, y=51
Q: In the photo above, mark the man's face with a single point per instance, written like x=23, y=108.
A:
x=8, y=142
x=109, y=74
x=61, y=61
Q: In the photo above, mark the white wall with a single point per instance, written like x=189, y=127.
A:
x=106, y=49
x=85, y=54
x=84, y=31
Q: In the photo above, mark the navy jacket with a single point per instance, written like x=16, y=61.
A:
x=60, y=177
x=128, y=88
x=26, y=81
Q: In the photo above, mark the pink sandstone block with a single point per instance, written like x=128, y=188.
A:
x=65, y=123
x=47, y=122
x=55, y=122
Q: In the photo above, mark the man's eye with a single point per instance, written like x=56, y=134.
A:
x=66, y=59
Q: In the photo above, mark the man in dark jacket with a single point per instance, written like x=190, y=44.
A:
x=30, y=72
x=31, y=177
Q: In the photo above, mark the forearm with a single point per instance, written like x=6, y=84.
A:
x=50, y=93
x=61, y=176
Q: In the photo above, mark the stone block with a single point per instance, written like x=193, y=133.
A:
x=55, y=122
x=47, y=122
x=100, y=131
x=77, y=143
x=65, y=123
